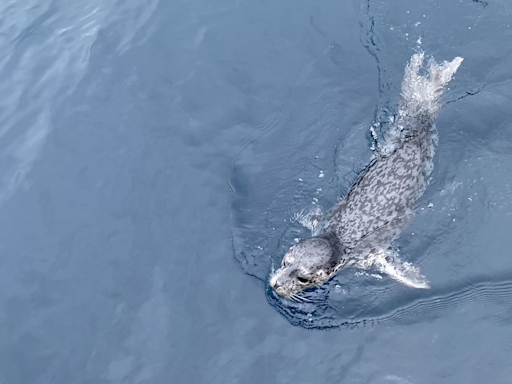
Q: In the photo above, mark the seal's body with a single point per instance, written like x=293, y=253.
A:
x=359, y=230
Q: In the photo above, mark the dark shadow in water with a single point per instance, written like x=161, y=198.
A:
x=276, y=175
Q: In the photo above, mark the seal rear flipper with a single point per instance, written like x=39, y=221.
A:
x=389, y=263
x=420, y=100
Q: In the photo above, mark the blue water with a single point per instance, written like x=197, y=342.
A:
x=153, y=155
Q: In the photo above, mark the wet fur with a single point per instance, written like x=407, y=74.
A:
x=360, y=229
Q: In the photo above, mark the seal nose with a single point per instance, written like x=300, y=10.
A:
x=274, y=283
x=277, y=285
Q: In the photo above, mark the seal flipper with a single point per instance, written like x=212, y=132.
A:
x=310, y=219
x=388, y=262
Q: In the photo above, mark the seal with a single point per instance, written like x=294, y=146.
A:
x=359, y=230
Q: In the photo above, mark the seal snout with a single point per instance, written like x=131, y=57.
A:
x=276, y=282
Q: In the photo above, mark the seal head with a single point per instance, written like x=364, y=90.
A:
x=308, y=263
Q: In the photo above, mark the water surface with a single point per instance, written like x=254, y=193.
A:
x=154, y=153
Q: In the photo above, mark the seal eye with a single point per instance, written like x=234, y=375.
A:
x=302, y=280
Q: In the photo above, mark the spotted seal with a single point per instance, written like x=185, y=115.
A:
x=360, y=229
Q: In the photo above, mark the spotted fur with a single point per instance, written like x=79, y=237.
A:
x=359, y=230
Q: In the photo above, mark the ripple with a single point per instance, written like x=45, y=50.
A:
x=45, y=54
x=378, y=307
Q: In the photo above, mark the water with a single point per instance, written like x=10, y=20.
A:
x=154, y=154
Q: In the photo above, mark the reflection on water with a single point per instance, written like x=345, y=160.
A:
x=45, y=53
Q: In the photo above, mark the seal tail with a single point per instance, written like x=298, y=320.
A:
x=421, y=97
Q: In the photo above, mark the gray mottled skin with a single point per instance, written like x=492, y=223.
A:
x=359, y=230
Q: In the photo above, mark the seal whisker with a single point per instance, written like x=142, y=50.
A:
x=304, y=298
x=298, y=298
